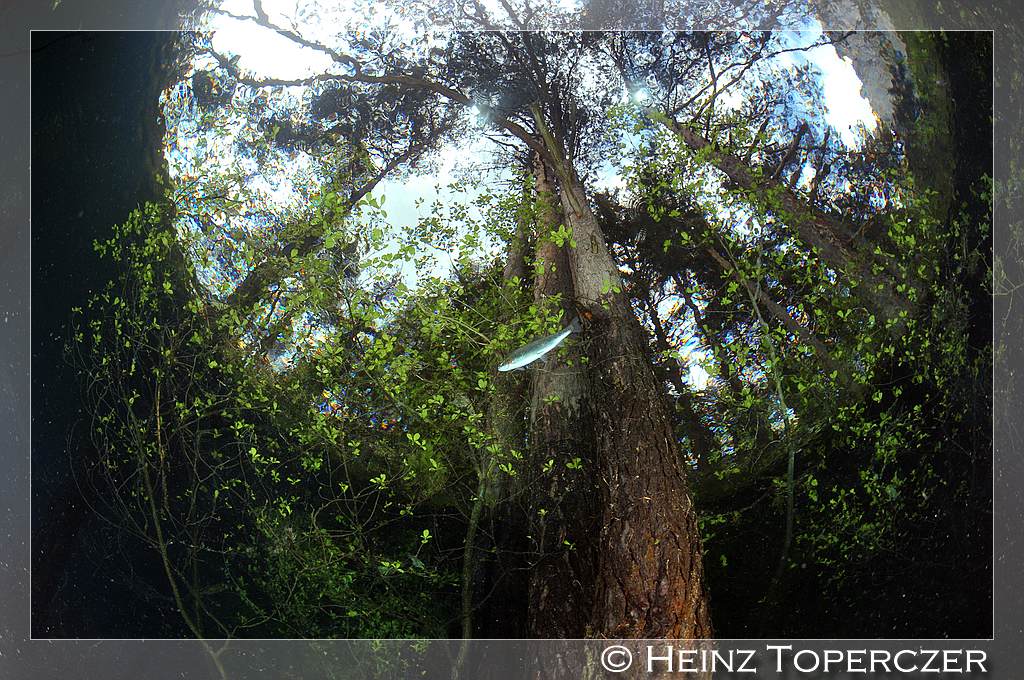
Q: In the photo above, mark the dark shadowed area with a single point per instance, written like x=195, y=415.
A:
x=95, y=156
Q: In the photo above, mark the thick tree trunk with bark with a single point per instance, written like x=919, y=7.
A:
x=563, y=525
x=650, y=577
x=507, y=409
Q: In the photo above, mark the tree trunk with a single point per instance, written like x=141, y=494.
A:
x=650, y=577
x=563, y=525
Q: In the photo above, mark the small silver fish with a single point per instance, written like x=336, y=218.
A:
x=530, y=352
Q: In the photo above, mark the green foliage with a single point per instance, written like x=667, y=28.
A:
x=320, y=493
x=299, y=511
x=322, y=458
x=884, y=415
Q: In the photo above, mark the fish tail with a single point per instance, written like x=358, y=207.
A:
x=574, y=325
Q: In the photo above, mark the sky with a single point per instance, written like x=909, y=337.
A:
x=267, y=54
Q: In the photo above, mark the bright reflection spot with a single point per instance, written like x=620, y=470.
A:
x=265, y=52
x=698, y=377
x=641, y=95
x=846, y=108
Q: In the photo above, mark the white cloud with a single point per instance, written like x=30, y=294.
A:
x=265, y=52
x=847, y=107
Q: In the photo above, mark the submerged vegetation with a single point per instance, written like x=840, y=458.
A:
x=776, y=410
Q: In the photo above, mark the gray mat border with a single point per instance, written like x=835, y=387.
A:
x=21, y=657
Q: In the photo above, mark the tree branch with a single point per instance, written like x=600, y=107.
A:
x=819, y=230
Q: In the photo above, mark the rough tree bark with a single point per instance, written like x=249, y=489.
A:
x=650, y=575
x=650, y=580
x=563, y=525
